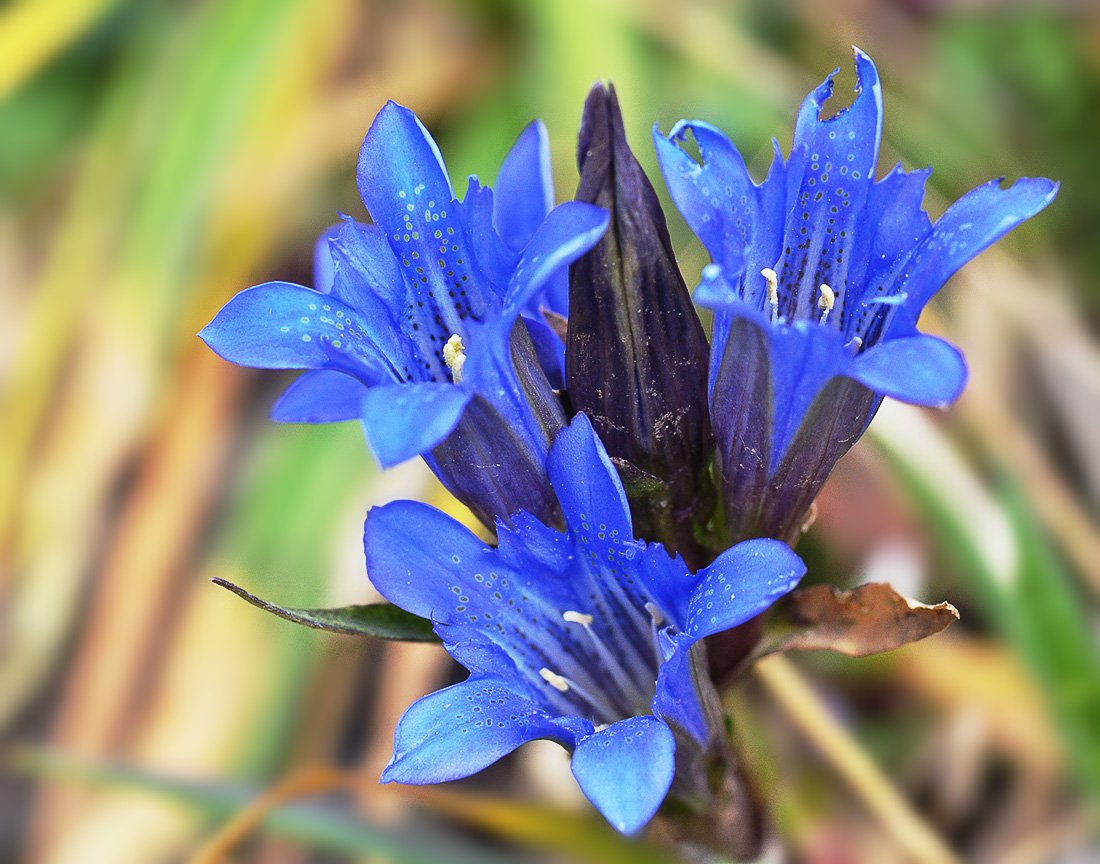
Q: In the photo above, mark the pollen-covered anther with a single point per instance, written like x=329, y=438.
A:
x=577, y=618
x=454, y=355
x=655, y=614
x=825, y=301
x=554, y=680
x=772, y=278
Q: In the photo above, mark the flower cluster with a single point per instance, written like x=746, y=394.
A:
x=642, y=483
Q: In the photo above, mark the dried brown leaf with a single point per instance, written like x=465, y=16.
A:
x=862, y=621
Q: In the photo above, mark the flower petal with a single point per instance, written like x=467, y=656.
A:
x=921, y=370
x=405, y=420
x=427, y=563
x=324, y=269
x=414, y=553
x=741, y=583
x=568, y=232
x=973, y=223
x=462, y=729
x=822, y=237
x=321, y=396
x=626, y=769
x=587, y=485
x=677, y=698
x=400, y=166
x=524, y=188
x=718, y=197
x=278, y=325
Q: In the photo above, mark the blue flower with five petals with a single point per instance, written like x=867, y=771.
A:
x=420, y=333
x=820, y=273
x=584, y=637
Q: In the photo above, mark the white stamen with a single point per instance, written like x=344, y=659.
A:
x=454, y=355
x=772, y=279
x=826, y=301
x=565, y=685
x=655, y=614
x=854, y=344
x=612, y=664
x=554, y=680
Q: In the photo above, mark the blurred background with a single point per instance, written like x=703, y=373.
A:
x=158, y=156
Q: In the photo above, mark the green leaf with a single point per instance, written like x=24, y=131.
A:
x=383, y=620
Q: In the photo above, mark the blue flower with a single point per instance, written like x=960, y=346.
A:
x=583, y=637
x=420, y=334
x=819, y=276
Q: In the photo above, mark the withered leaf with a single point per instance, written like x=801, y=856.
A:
x=865, y=620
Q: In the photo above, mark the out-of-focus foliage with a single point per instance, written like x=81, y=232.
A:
x=156, y=157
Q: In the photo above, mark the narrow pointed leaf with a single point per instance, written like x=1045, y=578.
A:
x=383, y=620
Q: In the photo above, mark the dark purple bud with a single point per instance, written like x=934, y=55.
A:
x=636, y=353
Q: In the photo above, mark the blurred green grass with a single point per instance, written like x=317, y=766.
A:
x=156, y=157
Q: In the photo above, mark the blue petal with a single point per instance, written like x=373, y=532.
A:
x=282, y=326
x=895, y=219
x=717, y=198
x=740, y=584
x=803, y=358
x=462, y=729
x=588, y=487
x=322, y=396
x=324, y=270
x=626, y=770
x=416, y=555
x=405, y=420
x=922, y=370
x=825, y=222
x=678, y=681
x=971, y=224
x=524, y=188
x=568, y=232
x=400, y=165
x=427, y=563
x=549, y=349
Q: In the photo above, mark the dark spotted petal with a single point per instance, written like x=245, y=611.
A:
x=822, y=237
x=741, y=583
x=457, y=731
x=278, y=325
x=626, y=770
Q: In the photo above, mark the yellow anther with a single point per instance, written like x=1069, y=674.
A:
x=826, y=301
x=554, y=680
x=454, y=355
x=577, y=618
x=655, y=614
x=772, y=279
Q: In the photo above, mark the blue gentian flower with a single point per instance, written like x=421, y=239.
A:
x=420, y=335
x=820, y=273
x=584, y=637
